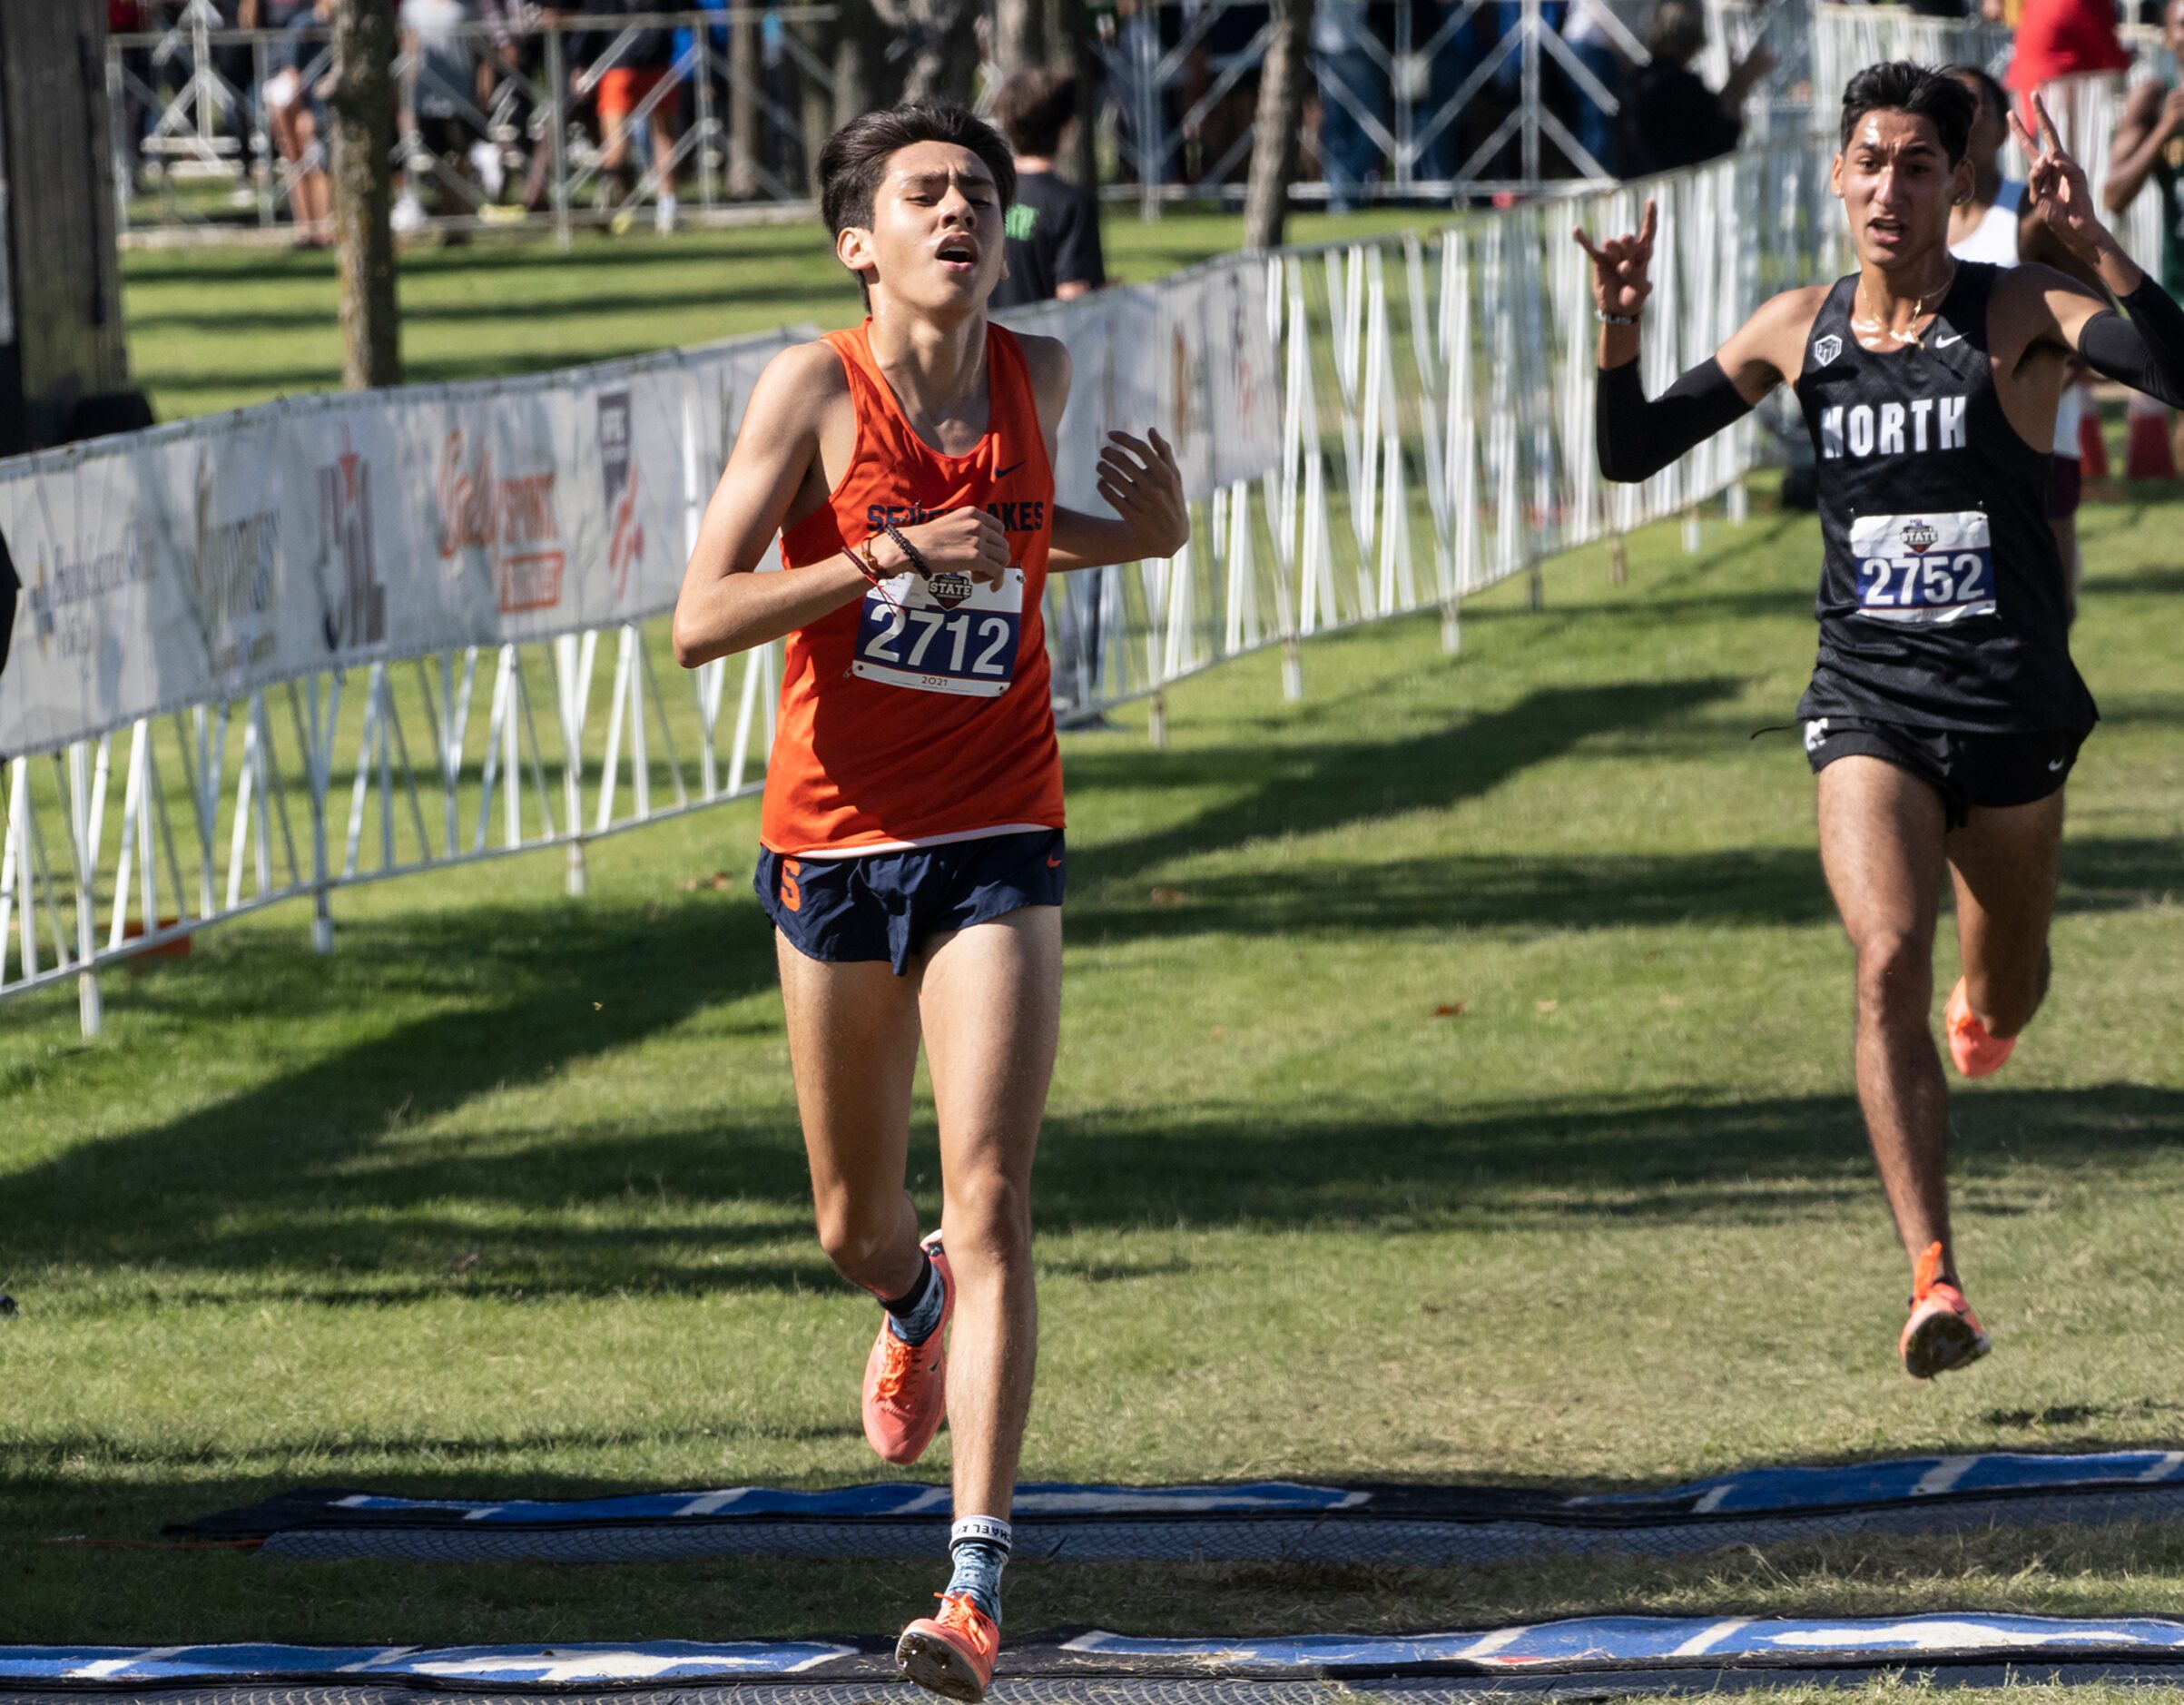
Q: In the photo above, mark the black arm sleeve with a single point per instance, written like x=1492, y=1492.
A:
x=2145, y=352
x=1639, y=438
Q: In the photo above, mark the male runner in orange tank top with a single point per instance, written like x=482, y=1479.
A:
x=913, y=853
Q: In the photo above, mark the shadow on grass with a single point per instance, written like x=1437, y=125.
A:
x=256, y=1200
x=1735, y=888
x=1332, y=785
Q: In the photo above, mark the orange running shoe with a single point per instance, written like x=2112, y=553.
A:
x=906, y=1384
x=1976, y=1053
x=950, y=1654
x=1942, y=1332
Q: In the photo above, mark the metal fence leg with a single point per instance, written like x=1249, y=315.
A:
x=1619, y=562
x=1740, y=504
x=1451, y=626
x=1293, y=670
x=90, y=1010
x=557, y=83
x=1157, y=720
x=1691, y=534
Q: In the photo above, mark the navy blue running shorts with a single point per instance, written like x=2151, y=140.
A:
x=886, y=905
x=1993, y=770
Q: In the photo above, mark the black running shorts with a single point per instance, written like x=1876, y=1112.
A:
x=1993, y=770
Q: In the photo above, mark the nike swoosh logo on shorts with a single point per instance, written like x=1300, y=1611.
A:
x=1054, y=865
x=2058, y=763
x=1943, y=343
x=1003, y=473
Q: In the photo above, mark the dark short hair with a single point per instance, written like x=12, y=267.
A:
x=855, y=158
x=1678, y=32
x=1900, y=86
x=1032, y=107
x=1990, y=86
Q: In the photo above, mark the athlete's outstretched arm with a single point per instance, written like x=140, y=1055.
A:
x=1141, y=479
x=1138, y=478
x=1637, y=437
x=2145, y=352
x=724, y=607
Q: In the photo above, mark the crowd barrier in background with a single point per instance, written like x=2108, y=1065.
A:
x=338, y=639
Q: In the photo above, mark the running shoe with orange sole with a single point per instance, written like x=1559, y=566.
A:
x=1975, y=1052
x=950, y=1654
x=1942, y=1332
x=906, y=1384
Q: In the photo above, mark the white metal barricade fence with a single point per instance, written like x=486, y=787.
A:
x=333, y=641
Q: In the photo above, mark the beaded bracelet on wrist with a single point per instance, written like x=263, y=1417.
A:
x=910, y=553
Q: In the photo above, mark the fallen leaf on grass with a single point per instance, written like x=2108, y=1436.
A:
x=1672, y=1001
x=1451, y=1008
x=462, y=1263
x=1546, y=1006
x=719, y=879
x=1164, y=895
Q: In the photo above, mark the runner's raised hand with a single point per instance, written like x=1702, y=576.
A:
x=1620, y=284
x=1143, y=484
x=2056, y=187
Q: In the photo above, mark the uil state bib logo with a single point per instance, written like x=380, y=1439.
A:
x=1826, y=349
x=1919, y=536
x=949, y=589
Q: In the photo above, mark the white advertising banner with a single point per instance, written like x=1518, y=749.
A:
x=202, y=560
x=1192, y=356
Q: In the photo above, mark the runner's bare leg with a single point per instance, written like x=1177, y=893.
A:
x=2004, y=862
x=853, y=1048
x=1882, y=830
x=992, y=1007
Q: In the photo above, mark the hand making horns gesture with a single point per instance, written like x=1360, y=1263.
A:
x=2055, y=183
x=1620, y=284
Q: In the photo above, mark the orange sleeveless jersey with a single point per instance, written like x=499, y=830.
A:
x=923, y=714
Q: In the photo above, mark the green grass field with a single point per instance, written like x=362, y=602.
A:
x=216, y=327
x=1454, y=1086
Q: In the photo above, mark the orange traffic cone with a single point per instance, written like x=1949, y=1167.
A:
x=2147, y=454
x=2092, y=447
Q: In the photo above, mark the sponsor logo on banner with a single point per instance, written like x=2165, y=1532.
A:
x=68, y=593
x=1187, y=393
x=231, y=586
x=619, y=471
x=511, y=518
x=357, y=613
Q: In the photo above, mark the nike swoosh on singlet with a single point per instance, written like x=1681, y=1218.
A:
x=1003, y=473
x=1943, y=343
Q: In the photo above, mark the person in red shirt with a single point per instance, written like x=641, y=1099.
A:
x=911, y=831
x=2063, y=38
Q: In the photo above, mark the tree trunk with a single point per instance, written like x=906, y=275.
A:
x=1020, y=35
x=744, y=95
x=360, y=110
x=1072, y=29
x=940, y=37
x=1278, y=127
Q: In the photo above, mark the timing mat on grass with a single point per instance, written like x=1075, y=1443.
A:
x=1649, y=1652
x=1263, y=1521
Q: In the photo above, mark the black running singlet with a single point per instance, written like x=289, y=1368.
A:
x=1941, y=597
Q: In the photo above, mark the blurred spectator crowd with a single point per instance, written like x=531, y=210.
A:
x=475, y=113
x=598, y=109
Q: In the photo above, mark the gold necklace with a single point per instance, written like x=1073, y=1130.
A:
x=1879, y=327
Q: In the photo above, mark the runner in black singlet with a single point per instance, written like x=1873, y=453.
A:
x=1945, y=712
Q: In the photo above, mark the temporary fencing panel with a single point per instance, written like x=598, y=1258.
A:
x=284, y=627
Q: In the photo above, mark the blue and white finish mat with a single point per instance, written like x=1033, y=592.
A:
x=1262, y=1521
x=1638, y=1647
